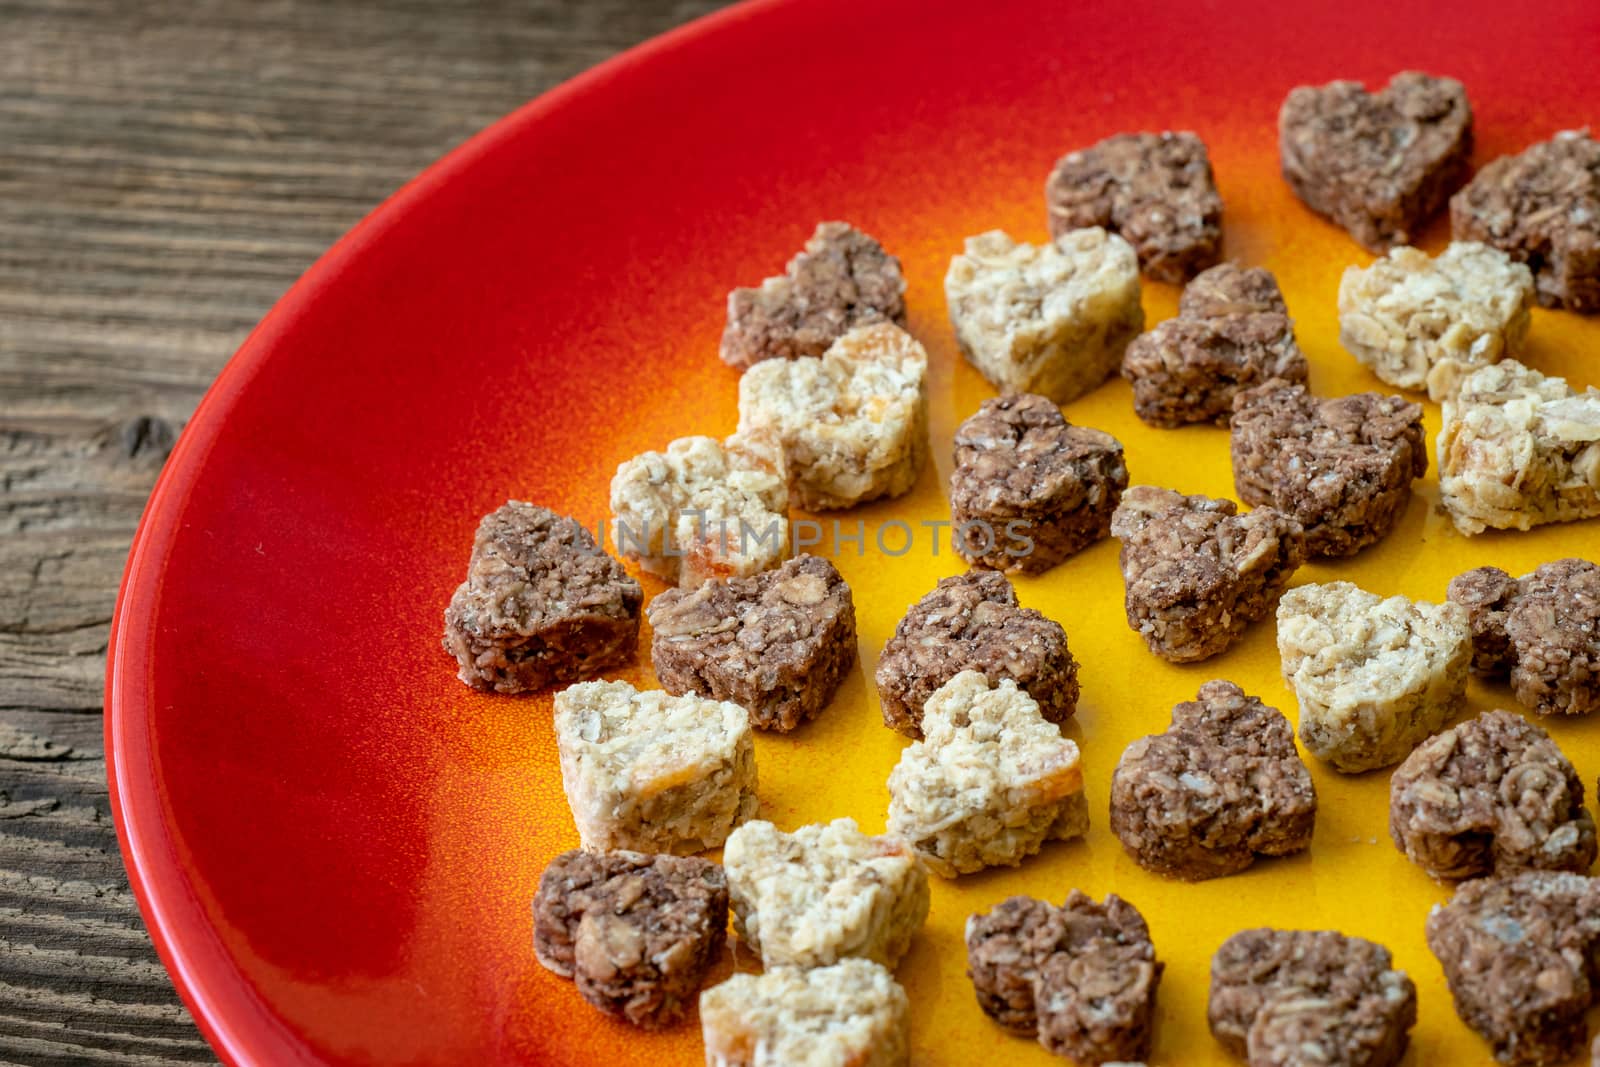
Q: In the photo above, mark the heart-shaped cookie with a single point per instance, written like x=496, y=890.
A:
x=1310, y=996
x=1220, y=787
x=1155, y=190
x=843, y=279
x=542, y=604
x=1197, y=572
x=1081, y=977
x=1379, y=164
x=991, y=782
x=1542, y=207
x=1543, y=629
x=779, y=643
x=1519, y=956
x=1022, y=471
x=637, y=932
x=1493, y=795
x=824, y=893
x=972, y=622
x=1343, y=466
x=1232, y=332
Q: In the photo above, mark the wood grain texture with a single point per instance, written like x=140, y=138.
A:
x=167, y=169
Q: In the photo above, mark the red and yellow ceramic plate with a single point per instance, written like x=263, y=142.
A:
x=335, y=842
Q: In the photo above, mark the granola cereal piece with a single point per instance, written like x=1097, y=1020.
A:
x=853, y=1013
x=1049, y=319
x=1374, y=677
x=991, y=782
x=1006, y=948
x=652, y=772
x=972, y=622
x=777, y=644
x=1378, y=164
x=1081, y=977
x=1029, y=488
x=703, y=509
x=1543, y=629
x=1229, y=289
x=1220, y=787
x=1487, y=593
x=1232, y=332
x=1197, y=572
x=824, y=893
x=1154, y=190
x=1281, y=997
x=637, y=932
x=842, y=280
x=1518, y=449
x=1341, y=465
x=1493, y=795
x=1407, y=313
x=1543, y=207
x=1555, y=632
x=1520, y=956
x=1554, y=629
x=853, y=424
x=542, y=604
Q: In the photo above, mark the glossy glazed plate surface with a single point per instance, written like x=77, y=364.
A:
x=335, y=842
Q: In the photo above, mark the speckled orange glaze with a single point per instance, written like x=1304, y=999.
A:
x=336, y=842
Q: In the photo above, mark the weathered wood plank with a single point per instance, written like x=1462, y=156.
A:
x=167, y=169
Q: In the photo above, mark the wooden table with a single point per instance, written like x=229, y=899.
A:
x=167, y=168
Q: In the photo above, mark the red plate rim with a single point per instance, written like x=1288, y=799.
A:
x=239, y=1027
